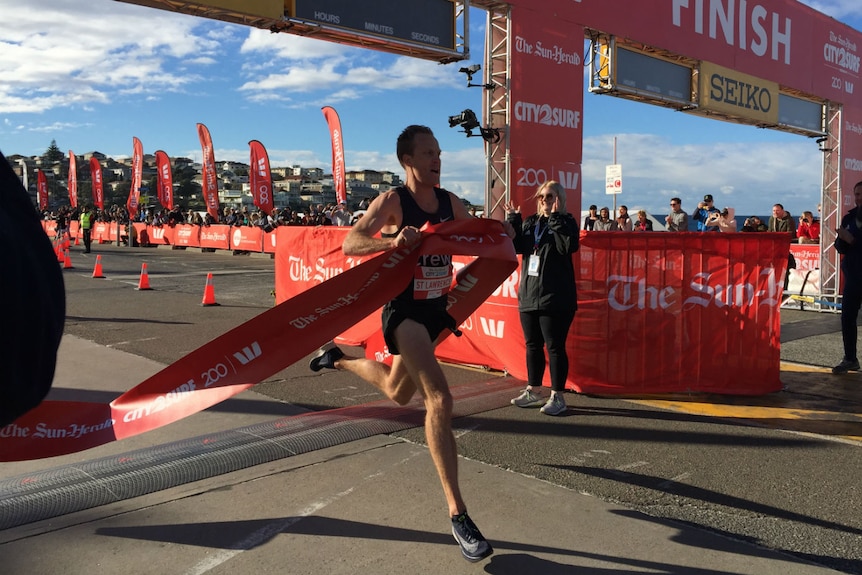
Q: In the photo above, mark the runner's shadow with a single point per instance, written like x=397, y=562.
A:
x=521, y=563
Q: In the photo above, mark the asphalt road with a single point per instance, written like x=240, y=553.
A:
x=785, y=477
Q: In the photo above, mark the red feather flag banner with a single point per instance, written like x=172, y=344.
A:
x=338, y=174
x=42, y=189
x=260, y=177
x=73, y=179
x=98, y=184
x=165, y=179
x=209, y=184
x=137, y=176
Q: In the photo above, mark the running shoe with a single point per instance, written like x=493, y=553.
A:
x=555, y=405
x=528, y=399
x=474, y=547
x=327, y=357
x=846, y=365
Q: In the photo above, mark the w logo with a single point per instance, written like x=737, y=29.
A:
x=493, y=328
x=248, y=353
x=569, y=180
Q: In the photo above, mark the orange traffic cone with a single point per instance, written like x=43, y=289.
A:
x=67, y=261
x=209, y=292
x=144, y=282
x=97, y=271
x=59, y=250
x=77, y=241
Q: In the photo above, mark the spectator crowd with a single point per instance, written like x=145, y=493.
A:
x=706, y=218
x=316, y=215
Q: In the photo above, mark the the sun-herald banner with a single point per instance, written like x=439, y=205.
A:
x=546, y=106
x=164, y=179
x=261, y=177
x=42, y=189
x=137, y=176
x=209, y=184
x=657, y=312
x=73, y=180
x=678, y=312
x=338, y=174
x=97, y=183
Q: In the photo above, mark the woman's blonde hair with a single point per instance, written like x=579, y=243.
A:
x=558, y=189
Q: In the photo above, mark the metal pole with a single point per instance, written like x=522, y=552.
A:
x=614, y=216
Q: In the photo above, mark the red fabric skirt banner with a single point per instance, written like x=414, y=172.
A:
x=263, y=345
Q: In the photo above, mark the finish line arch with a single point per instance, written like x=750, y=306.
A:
x=768, y=55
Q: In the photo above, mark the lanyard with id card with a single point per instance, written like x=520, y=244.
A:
x=538, y=232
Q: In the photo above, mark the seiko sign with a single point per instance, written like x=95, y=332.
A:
x=737, y=94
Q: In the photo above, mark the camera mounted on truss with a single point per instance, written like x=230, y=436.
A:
x=468, y=121
x=470, y=70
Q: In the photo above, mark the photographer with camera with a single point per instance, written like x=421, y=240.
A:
x=753, y=224
x=808, y=231
x=702, y=215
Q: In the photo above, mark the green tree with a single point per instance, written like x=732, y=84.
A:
x=53, y=153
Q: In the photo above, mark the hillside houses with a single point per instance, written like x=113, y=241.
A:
x=294, y=186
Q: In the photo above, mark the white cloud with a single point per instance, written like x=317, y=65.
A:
x=80, y=55
x=654, y=170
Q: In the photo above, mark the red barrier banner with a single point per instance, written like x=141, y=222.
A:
x=270, y=241
x=246, y=238
x=101, y=232
x=215, y=236
x=657, y=312
x=678, y=313
x=142, y=233
x=187, y=235
x=161, y=235
x=262, y=346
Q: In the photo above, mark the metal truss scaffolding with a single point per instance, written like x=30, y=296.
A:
x=496, y=107
x=830, y=271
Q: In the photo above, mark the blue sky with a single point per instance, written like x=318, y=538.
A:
x=91, y=75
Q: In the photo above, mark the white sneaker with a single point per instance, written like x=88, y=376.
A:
x=555, y=405
x=528, y=399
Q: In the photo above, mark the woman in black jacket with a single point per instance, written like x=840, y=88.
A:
x=547, y=298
